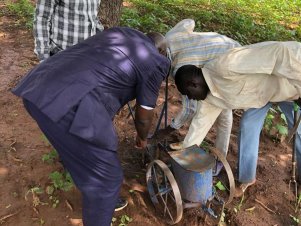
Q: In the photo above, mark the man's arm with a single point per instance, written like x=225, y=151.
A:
x=143, y=121
x=41, y=27
x=201, y=123
x=224, y=126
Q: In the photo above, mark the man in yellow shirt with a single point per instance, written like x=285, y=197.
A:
x=188, y=46
x=249, y=77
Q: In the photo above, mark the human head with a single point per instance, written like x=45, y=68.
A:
x=159, y=41
x=190, y=81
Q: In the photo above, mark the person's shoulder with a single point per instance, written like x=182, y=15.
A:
x=123, y=30
x=186, y=26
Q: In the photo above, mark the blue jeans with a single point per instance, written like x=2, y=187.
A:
x=248, y=140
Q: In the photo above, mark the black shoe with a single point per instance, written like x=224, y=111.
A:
x=121, y=204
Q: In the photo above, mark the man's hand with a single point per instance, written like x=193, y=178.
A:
x=164, y=133
x=140, y=144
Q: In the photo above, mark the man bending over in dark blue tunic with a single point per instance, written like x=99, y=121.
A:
x=74, y=96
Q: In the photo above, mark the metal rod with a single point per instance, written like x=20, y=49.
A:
x=160, y=119
x=164, y=110
x=166, y=101
x=131, y=111
x=293, y=176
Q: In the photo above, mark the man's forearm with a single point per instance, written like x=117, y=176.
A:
x=201, y=123
x=224, y=126
x=143, y=127
x=143, y=121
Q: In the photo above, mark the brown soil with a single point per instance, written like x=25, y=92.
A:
x=22, y=147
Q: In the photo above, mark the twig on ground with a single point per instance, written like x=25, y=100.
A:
x=2, y=219
x=264, y=206
x=68, y=204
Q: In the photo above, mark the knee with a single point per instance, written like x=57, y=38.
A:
x=101, y=189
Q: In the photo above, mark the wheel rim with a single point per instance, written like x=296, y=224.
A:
x=164, y=191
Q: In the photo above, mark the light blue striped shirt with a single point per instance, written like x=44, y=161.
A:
x=196, y=48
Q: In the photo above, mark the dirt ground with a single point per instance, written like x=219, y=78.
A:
x=268, y=202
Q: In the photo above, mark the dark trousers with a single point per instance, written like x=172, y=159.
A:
x=96, y=172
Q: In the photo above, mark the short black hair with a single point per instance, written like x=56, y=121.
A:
x=185, y=74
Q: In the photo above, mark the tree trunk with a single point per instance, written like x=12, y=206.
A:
x=109, y=12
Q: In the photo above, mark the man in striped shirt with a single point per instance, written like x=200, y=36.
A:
x=59, y=24
x=198, y=48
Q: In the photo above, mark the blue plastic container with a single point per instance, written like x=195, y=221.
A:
x=192, y=168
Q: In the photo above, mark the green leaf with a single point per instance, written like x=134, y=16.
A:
x=282, y=129
x=296, y=107
x=283, y=117
x=270, y=116
x=220, y=186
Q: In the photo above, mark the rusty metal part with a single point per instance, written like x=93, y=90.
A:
x=164, y=191
x=227, y=167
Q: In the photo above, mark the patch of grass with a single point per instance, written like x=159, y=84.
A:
x=244, y=20
x=23, y=10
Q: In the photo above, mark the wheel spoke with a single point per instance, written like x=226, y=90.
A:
x=166, y=197
x=164, y=191
x=156, y=179
x=166, y=209
x=172, y=197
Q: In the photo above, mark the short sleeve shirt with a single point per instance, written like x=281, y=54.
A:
x=114, y=67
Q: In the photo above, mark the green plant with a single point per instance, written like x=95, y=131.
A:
x=61, y=181
x=222, y=219
x=35, y=191
x=298, y=202
x=238, y=207
x=24, y=10
x=55, y=201
x=295, y=219
x=50, y=157
x=125, y=220
x=275, y=124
